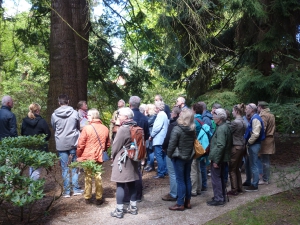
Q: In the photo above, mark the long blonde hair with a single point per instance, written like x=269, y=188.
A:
x=33, y=108
x=186, y=118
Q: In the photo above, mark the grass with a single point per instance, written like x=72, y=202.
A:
x=279, y=209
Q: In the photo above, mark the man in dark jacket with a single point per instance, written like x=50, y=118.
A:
x=66, y=125
x=8, y=122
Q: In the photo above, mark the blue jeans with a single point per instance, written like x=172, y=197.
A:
x=253, y=161
x=265, y=161
x=203, y=172
x=64, y=157
x=172, y=178
x=183, y=178
x=150, y=158
x=161, y=161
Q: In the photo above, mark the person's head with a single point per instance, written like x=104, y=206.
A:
x=63, y=99
x=93, y=114
x=143, y=108
x=180, y=102
x=175, y=112
x=125, y=113
x=198, y=108
x=159, y=106
x=203, y=105
x=238, y=110
x=82, y=105
x=134, y=102
x=219, y=116
x=215, y=106
x=158, y=98
x=262, y=105
x=228, y=114
x=186, y=118
x=151, y=109
x=7, y=101
x=121, y=103
x=251, y=109
x=34, y=108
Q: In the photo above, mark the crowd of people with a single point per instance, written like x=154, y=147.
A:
x=169, y=137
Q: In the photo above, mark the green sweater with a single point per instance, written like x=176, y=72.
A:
x=221, y=143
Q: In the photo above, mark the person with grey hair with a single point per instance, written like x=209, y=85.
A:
x=167, y=108
x=254, y=135
x=220, y=148
x=143, y=109
x=8, y=121
x=157, y=137
x=180, y=102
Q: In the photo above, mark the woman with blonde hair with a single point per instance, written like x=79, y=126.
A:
x=150, y=153
x=32, y=125
x=181, y=151
x=92, y=142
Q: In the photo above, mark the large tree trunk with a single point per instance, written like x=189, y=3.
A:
x=68, y=52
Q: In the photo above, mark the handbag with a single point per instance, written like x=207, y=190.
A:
x=105, y=156
x=199, y=150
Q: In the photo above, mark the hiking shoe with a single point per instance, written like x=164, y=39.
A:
x=245, y=184
x=131, y=209
x=66, y=196
x=78, y=192
x=99, y=201
x=193, y=194
x=232, y=193
x=215, y=203
x=168, y=197
x=262, y=182
x=203, y=189
x=117, y=213
x=251, y=188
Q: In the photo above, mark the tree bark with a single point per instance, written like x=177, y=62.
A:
x=68, y=52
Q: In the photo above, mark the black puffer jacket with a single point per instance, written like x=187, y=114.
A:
x=36, y=126
x=183, y=138
x=8, y=123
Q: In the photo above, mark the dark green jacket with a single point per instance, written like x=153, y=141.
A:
x=221, y=143
x=181, y=144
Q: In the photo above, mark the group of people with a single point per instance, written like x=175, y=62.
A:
x=169, y=136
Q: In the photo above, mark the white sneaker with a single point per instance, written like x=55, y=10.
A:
x=261, y=182
x=66, y=196
x=78, y=192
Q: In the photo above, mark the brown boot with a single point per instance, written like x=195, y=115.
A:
x=177, y=207
x=187, y=204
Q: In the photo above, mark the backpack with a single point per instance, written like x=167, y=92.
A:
x=204, y=136
x=213, y=125
x=137, y=151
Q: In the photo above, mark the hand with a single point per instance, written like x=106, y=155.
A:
x=150, y=138
x=215, y=165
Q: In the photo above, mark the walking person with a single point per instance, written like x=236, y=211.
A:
x=93, y=142
x=181, y=150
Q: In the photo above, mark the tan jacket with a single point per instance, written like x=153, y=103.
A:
x=88, y=147
x=268, y=145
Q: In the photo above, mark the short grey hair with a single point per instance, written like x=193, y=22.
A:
x=121, y=100
x=126, y=111
x=135, y=101
x=216, y=106
x=6, y=99
x=143, y=108
x=160, y=105
x=203, y=105
x=253, y=107
x=151, y=109
x=94, y=113
x=221, y=113
x=181, y=99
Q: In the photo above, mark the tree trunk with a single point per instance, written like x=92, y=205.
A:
x=68, y=52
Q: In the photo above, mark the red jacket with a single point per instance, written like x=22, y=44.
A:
x=88, y=147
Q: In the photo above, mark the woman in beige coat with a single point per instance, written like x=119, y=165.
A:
x=124, y=172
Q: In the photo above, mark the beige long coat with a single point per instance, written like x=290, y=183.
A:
x=130, y=168
x=268, y=145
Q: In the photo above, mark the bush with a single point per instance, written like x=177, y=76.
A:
x=16, y=156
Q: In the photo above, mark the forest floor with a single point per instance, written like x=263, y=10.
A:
x=152, y=210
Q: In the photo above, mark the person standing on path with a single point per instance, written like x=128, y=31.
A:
x=8, y=121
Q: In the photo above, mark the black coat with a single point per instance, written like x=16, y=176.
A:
x=172, y=124
x=8, y=123
x=142, y=121
x=35, y=126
